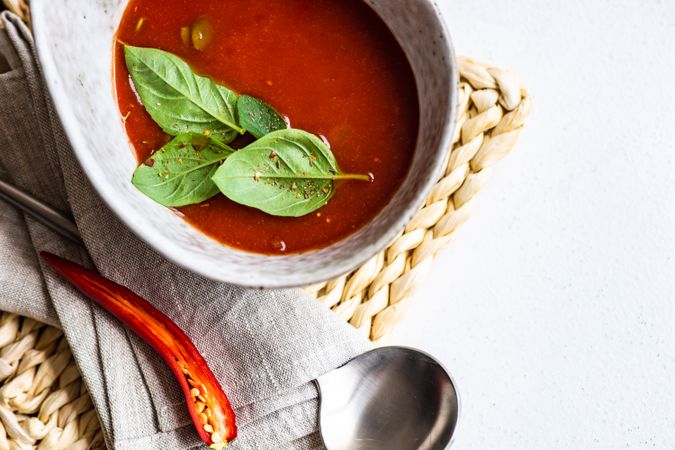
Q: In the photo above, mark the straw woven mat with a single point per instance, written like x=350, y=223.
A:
x=44, y=404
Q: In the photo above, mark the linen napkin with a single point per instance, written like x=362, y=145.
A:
x=265, y=347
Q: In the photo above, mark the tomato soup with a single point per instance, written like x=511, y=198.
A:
x=331, y=67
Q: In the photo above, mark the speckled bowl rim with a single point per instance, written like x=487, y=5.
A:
x=182, y=256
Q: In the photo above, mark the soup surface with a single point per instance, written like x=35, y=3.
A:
x=331, y=67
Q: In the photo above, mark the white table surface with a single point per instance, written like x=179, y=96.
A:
x=554, y=308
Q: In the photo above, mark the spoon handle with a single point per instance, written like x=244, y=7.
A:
x=40, y=211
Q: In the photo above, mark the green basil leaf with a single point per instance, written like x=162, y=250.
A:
x=179, y=100
x=285, y=173
x=258, y=117
x=180, y=173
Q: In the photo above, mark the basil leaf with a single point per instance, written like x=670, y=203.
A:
x=180, y=173
x=285, y=173
x=179, y=100
x=258, y=117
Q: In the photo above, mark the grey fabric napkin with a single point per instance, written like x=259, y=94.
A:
x=264, y=346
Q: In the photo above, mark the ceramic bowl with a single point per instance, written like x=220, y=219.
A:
x=75, y=40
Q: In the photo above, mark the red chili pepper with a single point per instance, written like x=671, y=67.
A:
x=208, y=405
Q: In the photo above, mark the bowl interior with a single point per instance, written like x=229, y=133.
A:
x=74, y=41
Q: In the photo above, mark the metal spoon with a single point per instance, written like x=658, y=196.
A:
x=391, y=398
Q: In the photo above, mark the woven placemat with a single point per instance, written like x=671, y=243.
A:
x=44, y=404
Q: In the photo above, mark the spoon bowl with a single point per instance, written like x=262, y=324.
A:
x=391, y=398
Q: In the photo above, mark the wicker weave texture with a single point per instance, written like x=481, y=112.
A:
x=43, y=402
